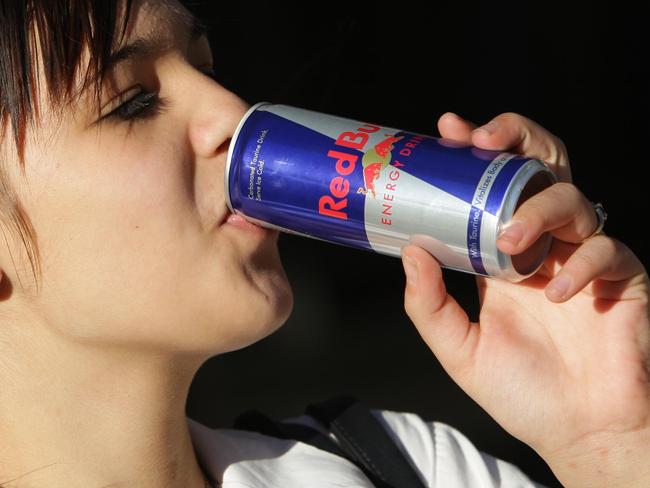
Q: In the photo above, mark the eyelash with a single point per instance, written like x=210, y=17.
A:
x=143, y=106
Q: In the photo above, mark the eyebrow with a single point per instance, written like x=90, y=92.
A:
x=144, y=47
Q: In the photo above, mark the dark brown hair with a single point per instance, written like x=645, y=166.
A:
x=56, y=35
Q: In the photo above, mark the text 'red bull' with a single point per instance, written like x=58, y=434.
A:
x=334, y=204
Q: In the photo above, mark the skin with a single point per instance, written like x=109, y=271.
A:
x=567, y=374
x=142, y=283
x=142, y=280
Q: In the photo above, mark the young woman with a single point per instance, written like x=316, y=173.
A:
x=122, y=272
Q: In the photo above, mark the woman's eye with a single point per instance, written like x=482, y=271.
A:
x=143, y=105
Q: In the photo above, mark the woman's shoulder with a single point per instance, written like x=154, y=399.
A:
x=239, y=458
x=441, y=454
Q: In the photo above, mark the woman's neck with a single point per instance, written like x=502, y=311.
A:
x=73, y=415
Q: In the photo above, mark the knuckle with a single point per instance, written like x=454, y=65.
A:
x=556, y=149
x=533, y=212
x=537, y=209
x=569, y=193
x=619, y=246
x=585, y=260
x=559, y=143
x=513, y=117
x=534, y=208
x=608, y=246
x=523, y=126
x=566, y=195
x=597, y=253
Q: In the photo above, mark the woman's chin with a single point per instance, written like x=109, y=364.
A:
x=274, y=304
x=278, y=295
x=267, y=275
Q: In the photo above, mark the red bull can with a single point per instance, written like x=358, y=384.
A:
x=378, y=188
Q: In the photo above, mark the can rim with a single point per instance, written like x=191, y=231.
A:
x=516, y=187
x=231, y=151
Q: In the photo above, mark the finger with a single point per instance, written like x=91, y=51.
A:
x=439, y=319
x=561, y=209
x=452, y=126
x=600, y=257
x=518, y=134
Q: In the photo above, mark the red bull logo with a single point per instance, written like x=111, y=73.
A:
x=375, y=161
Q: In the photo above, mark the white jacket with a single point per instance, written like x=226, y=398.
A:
x=442, y=455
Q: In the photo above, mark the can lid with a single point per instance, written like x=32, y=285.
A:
x=231, y=150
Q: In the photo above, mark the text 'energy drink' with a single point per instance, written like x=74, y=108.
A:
x=377, y=188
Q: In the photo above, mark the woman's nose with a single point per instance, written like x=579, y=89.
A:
x=216, y=112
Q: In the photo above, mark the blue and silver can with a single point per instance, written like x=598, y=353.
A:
x=378, y=188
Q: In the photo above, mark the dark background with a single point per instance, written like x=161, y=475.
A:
x=581, y=73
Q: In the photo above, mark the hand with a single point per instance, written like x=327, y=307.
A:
x=566, y=372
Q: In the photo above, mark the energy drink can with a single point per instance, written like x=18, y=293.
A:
x=378, y=188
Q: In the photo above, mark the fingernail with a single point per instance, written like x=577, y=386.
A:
x=411, y=269
x=513, y=234
x=489, y=128
x=558, y=287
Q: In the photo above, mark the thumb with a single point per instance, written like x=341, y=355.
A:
x=442, y=323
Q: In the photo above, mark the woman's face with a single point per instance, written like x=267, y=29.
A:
x=130, y=214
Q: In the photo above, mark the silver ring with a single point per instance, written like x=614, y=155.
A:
x=601, y=215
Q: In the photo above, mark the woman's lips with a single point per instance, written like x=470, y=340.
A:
x=241, y=223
